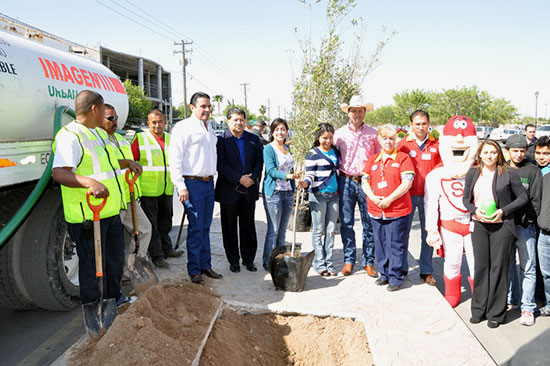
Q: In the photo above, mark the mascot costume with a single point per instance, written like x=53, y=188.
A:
x=447, y=220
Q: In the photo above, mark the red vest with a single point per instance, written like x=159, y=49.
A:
x=424, y=161
x=385, y=177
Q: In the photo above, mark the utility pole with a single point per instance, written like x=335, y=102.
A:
x=245, y=87
x=269, y=109
x=184, y=64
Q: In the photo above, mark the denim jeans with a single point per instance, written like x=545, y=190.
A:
x=199, y=209
x=351, y=193
x=426, y=251
x=324, y=213
x=527, y=258
x=278, y=208
x=544, y=260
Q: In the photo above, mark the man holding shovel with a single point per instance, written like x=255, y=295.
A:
x=144, y=225
x=84, y=161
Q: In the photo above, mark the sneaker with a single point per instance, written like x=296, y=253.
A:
x=545, y=311
x=124, y=299
x=527, y=318
x=512, y=307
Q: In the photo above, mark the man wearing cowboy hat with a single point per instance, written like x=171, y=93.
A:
x=356, y=142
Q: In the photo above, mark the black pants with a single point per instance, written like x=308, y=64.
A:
x=244, y=212
x=159, y=211
x=112, y=252
x=492, y=245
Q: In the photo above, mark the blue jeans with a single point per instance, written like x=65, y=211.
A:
x=527, y=259
x=112, y=250
x=544, y=261
x=390, y=244
x=278, y=208
x=426, y=251
x=351, y=193
x=199, y=209
x=324, y=213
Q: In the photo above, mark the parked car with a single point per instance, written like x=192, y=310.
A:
x=543, y=131
x=502, y=134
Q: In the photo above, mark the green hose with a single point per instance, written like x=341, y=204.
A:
x=29, y=203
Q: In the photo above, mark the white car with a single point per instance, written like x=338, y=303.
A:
x=543, y=131
x=502, y=134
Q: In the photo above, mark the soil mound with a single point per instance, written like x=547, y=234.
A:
x=165, y=326
x=270, y=339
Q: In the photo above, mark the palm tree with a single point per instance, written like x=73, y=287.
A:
x=218, y=99
x=263, y=109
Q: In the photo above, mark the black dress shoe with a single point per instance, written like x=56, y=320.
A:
x=211, y=273
x=173, y=253
x=381, y=282
x=475, y=320
x=392, y=288
x=235, y=268
x=251, y=267
x=197, y=279
x=160, y=262
x=493, y=324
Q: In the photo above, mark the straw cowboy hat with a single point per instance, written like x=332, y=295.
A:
x=356, y=101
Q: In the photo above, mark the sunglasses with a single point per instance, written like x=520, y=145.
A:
x=112, y=118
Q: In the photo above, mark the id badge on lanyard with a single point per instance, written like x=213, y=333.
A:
x=383, y=183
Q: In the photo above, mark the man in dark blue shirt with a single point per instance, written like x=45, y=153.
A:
x=239, y=166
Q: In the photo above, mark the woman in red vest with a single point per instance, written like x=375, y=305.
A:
x=387, y=178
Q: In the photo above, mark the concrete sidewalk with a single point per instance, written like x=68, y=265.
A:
x=413, y=326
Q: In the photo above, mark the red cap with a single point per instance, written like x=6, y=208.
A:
x=459, y=125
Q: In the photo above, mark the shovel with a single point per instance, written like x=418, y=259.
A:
x=100, y=314
x=141, y=271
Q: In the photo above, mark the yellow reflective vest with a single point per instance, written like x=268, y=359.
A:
x=155, y=179
x=100, y=162
x=126, y=150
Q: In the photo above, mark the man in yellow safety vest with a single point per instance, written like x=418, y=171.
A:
x=144, y=226
x=85, y=161
x=151, y=150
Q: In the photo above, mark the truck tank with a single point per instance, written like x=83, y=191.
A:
x=38, y=262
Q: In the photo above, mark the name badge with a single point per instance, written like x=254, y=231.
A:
x=395, y=165
x=433, y=149
x=382, y=184
x=426, y=156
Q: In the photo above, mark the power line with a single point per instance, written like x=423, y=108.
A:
x=133, y=20
x=178, y=33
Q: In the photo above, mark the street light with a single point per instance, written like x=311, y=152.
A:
x=536, y=106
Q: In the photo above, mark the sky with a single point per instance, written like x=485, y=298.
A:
x=499, y=46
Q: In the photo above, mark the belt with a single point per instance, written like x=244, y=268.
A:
x=194, y=177
x=355, y=178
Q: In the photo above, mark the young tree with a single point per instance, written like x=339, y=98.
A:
x=139, y=104
x=327, y=78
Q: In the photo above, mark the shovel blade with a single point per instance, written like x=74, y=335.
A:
x=92, y=318
x=108, y=313
x=142, y=275
x=99, y=316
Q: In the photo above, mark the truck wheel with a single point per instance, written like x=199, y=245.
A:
x=50, y=264
x=12, y=291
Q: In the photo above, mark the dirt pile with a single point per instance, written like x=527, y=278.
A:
x=270, y=339
x=165, y=326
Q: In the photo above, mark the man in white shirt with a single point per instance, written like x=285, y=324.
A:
x=192, y=162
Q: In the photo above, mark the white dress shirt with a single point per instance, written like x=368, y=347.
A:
x=192, y=151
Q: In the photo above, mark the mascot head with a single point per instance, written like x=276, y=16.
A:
x=458, y=145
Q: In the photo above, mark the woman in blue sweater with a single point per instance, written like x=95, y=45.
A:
x=322, y=164
x=278, y=187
